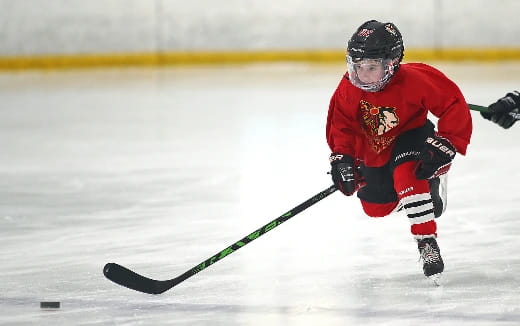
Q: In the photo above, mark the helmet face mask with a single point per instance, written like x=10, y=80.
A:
x=377, y=48
x=370, y=75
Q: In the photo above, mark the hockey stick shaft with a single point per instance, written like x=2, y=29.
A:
x=480, y=108
x=125, y=277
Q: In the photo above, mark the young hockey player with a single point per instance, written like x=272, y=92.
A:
x=504, y=112
x=383, y=145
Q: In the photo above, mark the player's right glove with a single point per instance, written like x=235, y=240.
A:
x=345, y=174
x=500, y=111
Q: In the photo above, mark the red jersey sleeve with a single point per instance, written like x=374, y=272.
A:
x=341, y=124
x=446, y=102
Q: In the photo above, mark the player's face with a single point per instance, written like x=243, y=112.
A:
x=369, y=70
x=370, y=75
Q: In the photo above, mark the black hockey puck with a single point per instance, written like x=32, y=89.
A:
x=50, y=304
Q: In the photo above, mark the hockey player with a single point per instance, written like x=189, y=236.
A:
x=504, y=112
x=383, y=146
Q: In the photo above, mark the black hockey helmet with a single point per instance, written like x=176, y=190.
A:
x=374, y=53
x=374, y=39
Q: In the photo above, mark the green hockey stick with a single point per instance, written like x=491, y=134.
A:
x=125, y=277
x=480, y=108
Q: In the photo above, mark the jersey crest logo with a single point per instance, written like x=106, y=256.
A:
x=377, y=121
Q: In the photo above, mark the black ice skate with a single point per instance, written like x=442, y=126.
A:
x=439, y=193
x=430, y=253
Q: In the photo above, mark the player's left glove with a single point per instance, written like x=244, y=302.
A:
x=505, y=111
x=435, y=157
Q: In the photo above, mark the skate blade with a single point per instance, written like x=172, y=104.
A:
x=435, y=279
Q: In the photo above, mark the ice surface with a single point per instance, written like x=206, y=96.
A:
x=158, y=169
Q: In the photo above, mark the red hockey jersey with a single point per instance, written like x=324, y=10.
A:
x=365, y=125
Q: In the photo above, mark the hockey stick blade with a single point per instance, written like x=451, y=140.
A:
x=130, y=279
x=125, y=277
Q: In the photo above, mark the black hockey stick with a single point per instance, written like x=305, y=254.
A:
x=480, y=108
x=125, y=277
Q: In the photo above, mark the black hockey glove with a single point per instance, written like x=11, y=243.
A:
x=435, y=158
x=345, y=174
x=505, y=111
